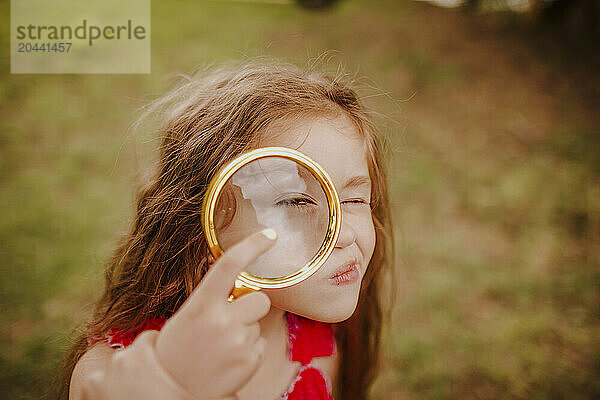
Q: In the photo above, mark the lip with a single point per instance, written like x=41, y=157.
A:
x=345, y=275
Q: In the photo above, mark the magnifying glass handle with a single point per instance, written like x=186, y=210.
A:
x=239, y=289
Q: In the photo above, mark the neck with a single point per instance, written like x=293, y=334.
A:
x=273, y=327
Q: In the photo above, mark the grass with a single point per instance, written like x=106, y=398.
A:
x=495, y=183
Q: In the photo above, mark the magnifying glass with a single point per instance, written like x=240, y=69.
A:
x=278, y=188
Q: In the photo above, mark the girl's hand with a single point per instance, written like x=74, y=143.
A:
x=132, y=373
x=212, y=347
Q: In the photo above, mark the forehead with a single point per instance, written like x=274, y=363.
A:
x=333, y=142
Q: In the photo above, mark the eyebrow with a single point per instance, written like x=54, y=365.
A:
x=358, y=181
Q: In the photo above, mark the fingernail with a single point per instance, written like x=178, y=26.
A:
x=270, y=234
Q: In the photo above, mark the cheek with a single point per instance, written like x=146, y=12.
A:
x=372, y=238
x=316, y=299
x=365, y=235
x=301, y=299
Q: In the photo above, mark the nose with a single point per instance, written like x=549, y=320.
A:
x=347, y=235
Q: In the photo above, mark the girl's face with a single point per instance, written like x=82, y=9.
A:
x=331, y=294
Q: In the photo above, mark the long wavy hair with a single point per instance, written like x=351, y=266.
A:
x=208, y=119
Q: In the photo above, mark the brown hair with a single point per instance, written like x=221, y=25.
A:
x=209, y=119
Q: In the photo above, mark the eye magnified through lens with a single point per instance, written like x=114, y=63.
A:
x=276, y=193
x=274, y=188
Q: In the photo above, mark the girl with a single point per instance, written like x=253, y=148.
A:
x=163, y=328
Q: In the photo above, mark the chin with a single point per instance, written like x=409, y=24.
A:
x=333, y=316
x=318, y=307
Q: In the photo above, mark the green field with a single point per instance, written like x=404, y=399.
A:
x=495, y=181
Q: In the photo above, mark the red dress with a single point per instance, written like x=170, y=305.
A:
x=307, y=339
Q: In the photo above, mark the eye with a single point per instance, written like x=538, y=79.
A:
x=298, y=201
x=357, y=201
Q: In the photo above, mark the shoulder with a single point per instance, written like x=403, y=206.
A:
x=94, y=359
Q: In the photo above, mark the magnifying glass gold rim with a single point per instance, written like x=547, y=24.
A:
x=333, y=229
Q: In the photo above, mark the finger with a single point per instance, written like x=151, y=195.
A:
x=260, y=349
x=252, y=333
x=146, y=339
x=221, y=277
x=251, y=307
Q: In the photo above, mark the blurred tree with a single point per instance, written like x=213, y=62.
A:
x=578, y=20
x=316, y=3
x=570, y=26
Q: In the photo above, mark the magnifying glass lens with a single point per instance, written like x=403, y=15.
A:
x=278, y=193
